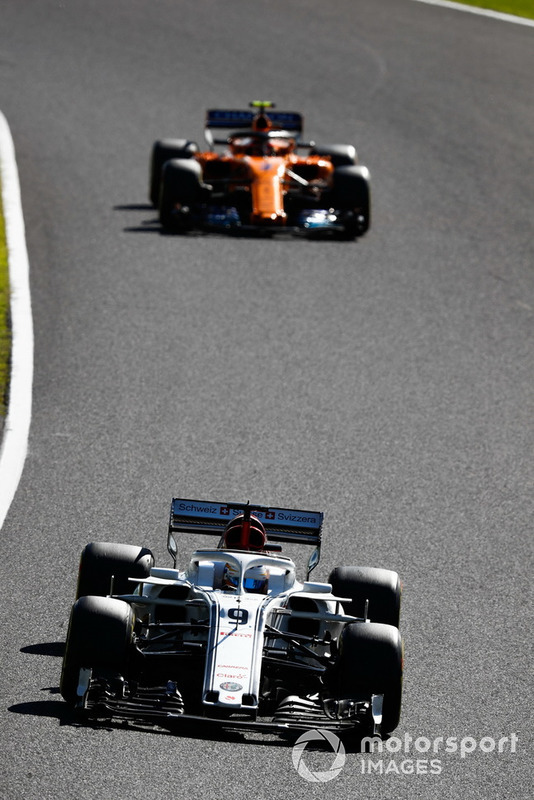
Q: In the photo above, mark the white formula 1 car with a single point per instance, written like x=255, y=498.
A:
x=234, y=639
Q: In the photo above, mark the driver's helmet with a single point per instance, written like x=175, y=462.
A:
x=261, y=144
x=280, y=145
x=247, y=145
x=235, y=534
x=256, y=579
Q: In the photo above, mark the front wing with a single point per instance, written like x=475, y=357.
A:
x=106, y=700
x=226, y=219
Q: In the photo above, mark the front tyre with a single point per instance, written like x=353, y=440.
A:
x=181, y=189
x=99, y=637
x=162, y=151
x=350, y=196
x=371, y=660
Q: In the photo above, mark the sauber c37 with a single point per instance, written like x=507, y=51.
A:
x=234, y=639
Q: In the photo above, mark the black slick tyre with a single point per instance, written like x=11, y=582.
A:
x=380, y=587
x=341, y=155
x=163, y=150
x=99, y=638
x=181, y=189
x=371, y=662
x=106, y=567
x=351, y=196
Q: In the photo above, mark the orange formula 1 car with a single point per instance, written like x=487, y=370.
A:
x=258, y=182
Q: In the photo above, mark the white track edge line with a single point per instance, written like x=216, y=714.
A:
x=17, y=423
x=481, y=12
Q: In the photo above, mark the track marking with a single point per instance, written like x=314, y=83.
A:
x=481, y=12
x=17, y=423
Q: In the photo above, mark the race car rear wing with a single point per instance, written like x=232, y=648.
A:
x=290, y=121
x=285, y=120
x=281, y=524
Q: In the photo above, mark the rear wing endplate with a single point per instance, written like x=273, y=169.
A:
x=281, y=524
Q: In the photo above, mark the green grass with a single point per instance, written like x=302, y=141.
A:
x=521, y=8
x=5, y=333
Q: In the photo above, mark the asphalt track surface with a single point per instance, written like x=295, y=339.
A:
x=387, y=382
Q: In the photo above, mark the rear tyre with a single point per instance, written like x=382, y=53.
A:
x=371, y=662
x=181, y=188
x=381, y=587
x=351, y=195
x=341, y=155
x=102, y=564
x=162, y=151
x=99, y=637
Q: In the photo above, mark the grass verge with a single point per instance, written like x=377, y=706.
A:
x=5, y=332
x=520, y=8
